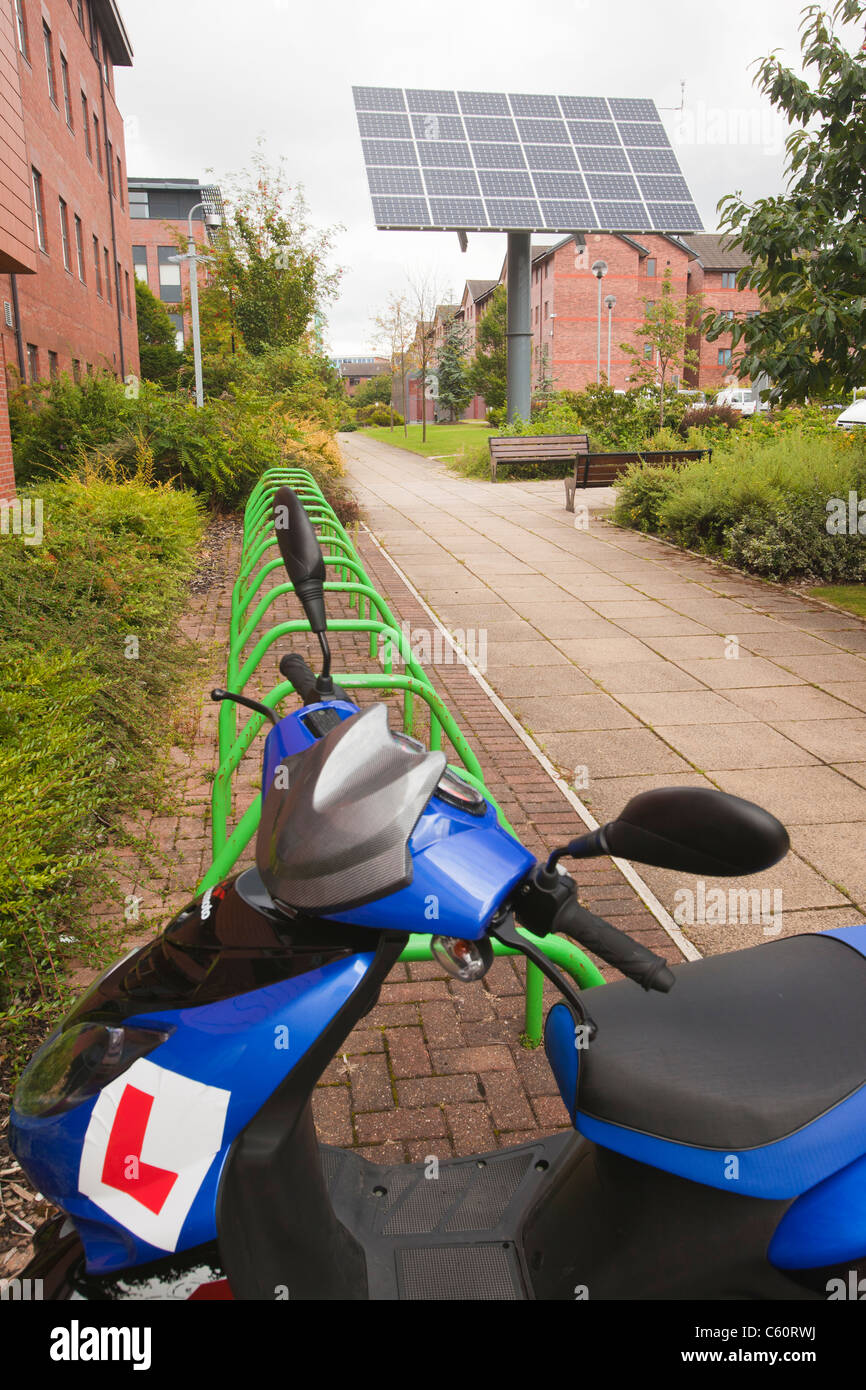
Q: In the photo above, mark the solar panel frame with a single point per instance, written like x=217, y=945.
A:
x=508, y=161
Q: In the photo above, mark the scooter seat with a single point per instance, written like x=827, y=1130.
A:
x=749, y=1075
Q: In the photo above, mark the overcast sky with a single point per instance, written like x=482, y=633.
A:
x=210, y=76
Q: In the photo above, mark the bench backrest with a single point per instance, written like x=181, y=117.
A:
x=538, y=446
x=600, y=470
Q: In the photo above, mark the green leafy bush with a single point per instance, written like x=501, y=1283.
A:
x=90, y=659
x=377, y=416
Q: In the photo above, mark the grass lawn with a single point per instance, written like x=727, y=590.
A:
x=851, y=597
x=441, y=439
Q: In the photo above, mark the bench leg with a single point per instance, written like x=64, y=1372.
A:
x=569, y=494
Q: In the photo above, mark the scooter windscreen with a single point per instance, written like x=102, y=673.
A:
x=336, y=821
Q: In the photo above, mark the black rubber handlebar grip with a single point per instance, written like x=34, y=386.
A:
x=295, y=669
x=614, y=946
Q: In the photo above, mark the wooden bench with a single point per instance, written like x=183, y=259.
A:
x=602, y=470
x=537, y=448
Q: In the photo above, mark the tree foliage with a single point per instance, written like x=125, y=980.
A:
x=488, y=374
x=268, y=268
x=455, y=391
x=668, y=326
x=157, y=349
x=807, y=247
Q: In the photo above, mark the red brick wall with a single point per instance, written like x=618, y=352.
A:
x=7, y=472
x=153, y=233
x=711, y=374
x=59, y=313
x=16, y=216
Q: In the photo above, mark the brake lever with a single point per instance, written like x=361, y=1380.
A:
x=506, y=932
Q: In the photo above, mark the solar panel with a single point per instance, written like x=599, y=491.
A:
x=503, y=161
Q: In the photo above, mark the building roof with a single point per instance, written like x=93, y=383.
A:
x=479, y=289
x=377, y=368
x=108, y=17
x=717, y=252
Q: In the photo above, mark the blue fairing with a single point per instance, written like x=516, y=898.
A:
x=464, y=866
x=232, y=1045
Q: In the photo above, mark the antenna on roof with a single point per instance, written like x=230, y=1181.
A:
x=682, y=105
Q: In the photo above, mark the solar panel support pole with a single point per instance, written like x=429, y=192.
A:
x=519, y=328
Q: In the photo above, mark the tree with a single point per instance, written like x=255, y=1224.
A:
x=157, y=345
x=395, y=330
x=488, y=374
x=376, y=390
x=668, y=327
x=267, y=269
x=807, y=247
x=425, y=298
x=455, y=392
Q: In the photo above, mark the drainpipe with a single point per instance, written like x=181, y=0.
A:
x=110, y=175
x=19, y=335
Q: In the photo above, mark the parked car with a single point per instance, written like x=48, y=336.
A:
x=740, y=398
x=853, y=415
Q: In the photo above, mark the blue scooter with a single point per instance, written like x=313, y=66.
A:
x=719, y=1107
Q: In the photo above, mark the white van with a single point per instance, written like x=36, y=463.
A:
x=739, y=398
x=853, y=415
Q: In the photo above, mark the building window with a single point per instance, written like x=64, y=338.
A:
x=76, y=370
x=169, y=276
x=53, y=366
x=651, y=265
x=64, y=235
x=647, y=352
x=49, y=61
x=139, y=262
x=729, y=279
x=139, y=202
x=96, y=270
x=67, y=99
x=753, y=313
x=177, y=320
x=107, y=274
x=39, y=205
x=90, y=369
x=85, y=126
x=109, y=160
x=128, y=295
x=120, y=181
x=729, y=314
x=724, y=357
x=21, y=26
x=33, y=362
x=118, y=280
x=546, y=307
x=79, y=250
x=97, y=143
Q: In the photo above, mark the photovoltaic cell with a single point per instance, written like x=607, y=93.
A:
x=643, y=133
x=499, y=156
x=401, y=212
x=418, y=100
x=396, y=181
x=520, y=160
x=384, y=123
x=490, y=128
x=656, y=187
x=401, y=152
x=534, y=106
x=379, y=99
x=436, y=127
x=543, y=132
x=560, y=186
x=608, y=160
x=445, y=155
x=458, y=181
x=632, y=109
x=505, y=183
x=484, y=103
x=550, y=157
x=585, y=108
x=458, y=212
x=654, y=161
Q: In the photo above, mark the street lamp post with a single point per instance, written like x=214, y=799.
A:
x=610, y=305
x=599, y=270
x=192, y=257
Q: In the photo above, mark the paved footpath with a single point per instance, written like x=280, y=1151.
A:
x=635, y=665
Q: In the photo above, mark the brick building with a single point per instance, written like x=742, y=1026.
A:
x=160, y=209
x=355, y=371
x=76, y=313
x=564, y=304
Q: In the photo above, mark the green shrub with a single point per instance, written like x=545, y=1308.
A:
x=707, y=416
x=377, y=416
x=83, y=710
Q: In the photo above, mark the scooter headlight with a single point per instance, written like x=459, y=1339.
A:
x=77, y=1063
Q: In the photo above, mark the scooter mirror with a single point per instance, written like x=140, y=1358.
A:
x=698, y=830
x=302, y=555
